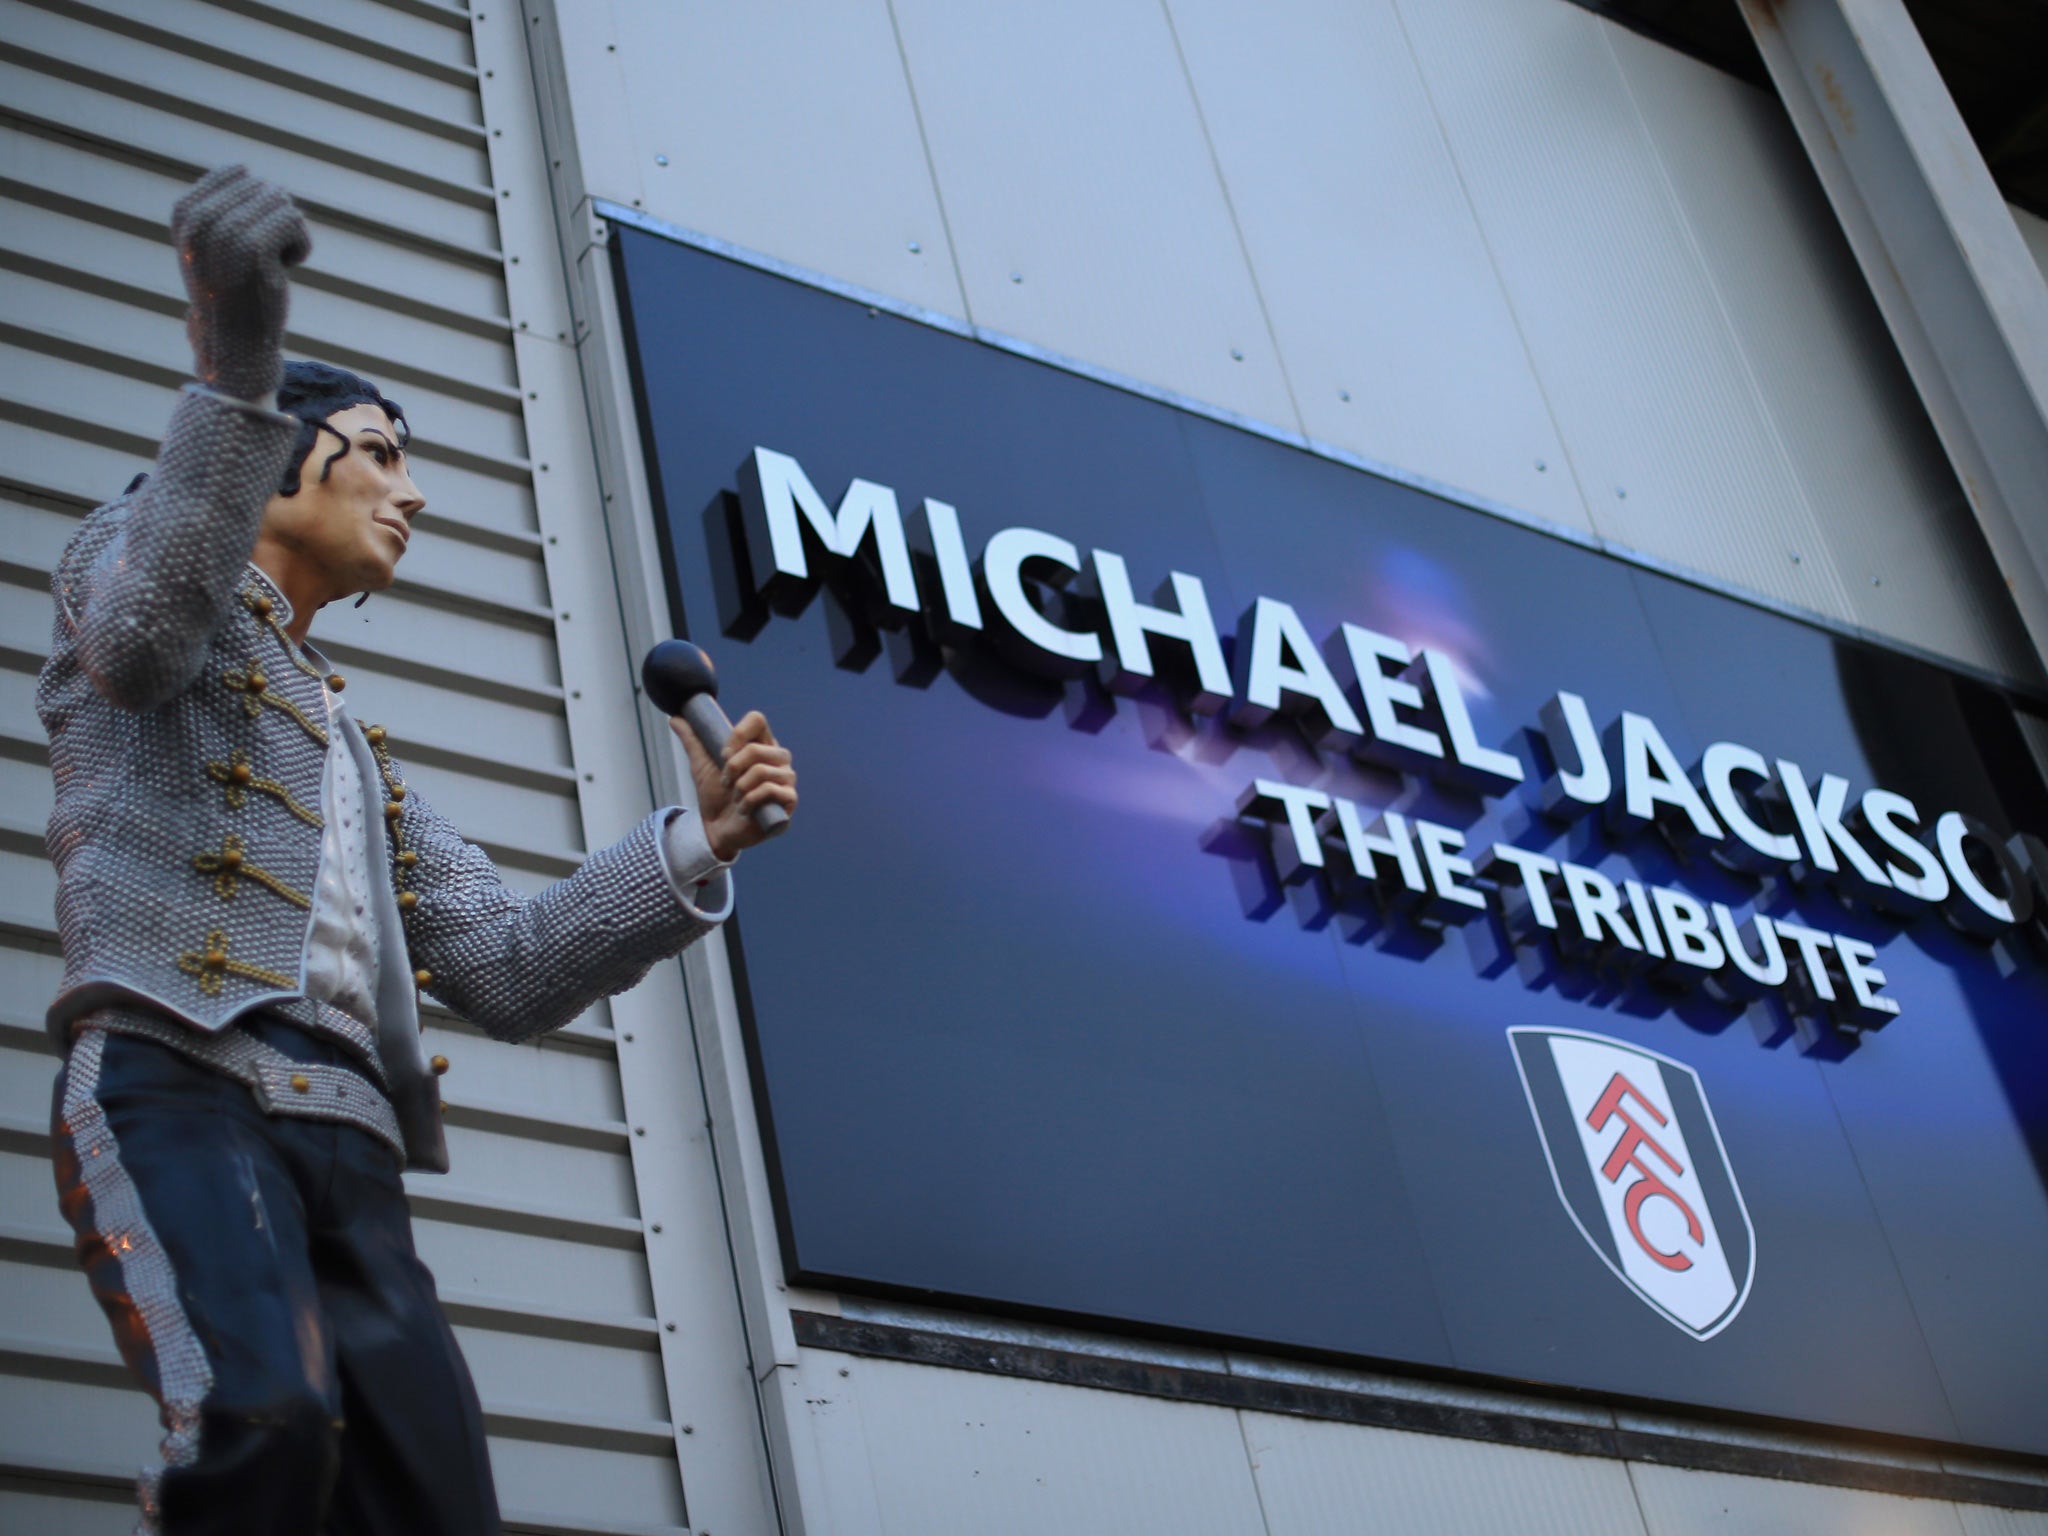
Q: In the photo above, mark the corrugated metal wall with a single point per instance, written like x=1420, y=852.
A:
x=433, y=272
x=1501, y=245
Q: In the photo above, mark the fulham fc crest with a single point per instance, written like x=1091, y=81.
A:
x=1639, y=1165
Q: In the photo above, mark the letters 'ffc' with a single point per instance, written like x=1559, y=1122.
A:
x=1638, y=1162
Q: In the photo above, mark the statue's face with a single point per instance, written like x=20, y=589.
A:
x=353, y=524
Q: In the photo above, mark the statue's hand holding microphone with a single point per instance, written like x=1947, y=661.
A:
x=746, y=787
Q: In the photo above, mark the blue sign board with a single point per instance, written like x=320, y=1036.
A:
x=1244, y=898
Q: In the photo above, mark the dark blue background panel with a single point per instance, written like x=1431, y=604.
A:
x=1034, y=1026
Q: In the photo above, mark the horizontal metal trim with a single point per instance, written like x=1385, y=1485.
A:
x=28, y=840
x=526, y=1522
x=44, y=499
x=100, y=1366
x=531, y=617
x=507, y=1119
x=78, y=1474
x=24, y=749
x=41, y=1360
x=393, y=370
x=114, y=1483
x=506, y=541
x=512, y=471
x=45, y=1247
x=546, y=777
x=499, y=397
x=1531, y=1431
x=14, y=659
x=31, y=1138
x=24, y=1033
x=297, y=20
x=126, y=152
x=22, y=837
x=490, y=327
x=51, y=1248
x=28, y=577
x=643, y=1437
x=579, y=1035
x=466, y=1210
x=471, y=1310
x=20, y=1034
x=546, y=699
x=494, y=397
x=557, y=864
x=2032, y=689
x=35, y=938
x=256, y=67
x=30, y=413
x=78, y=280
x=454, y=17
x=471, y=195
x=472, y=605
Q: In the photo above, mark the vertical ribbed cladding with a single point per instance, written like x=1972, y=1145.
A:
x=372, y=112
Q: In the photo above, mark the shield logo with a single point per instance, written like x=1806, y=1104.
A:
x=1638, y=1162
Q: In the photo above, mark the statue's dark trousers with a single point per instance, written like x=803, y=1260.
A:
x=339, y=1401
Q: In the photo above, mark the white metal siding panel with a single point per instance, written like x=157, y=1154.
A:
x=1652, y=393
x=59, y=84
x=708, y=1370
x=1676, y=1503
x=1390, y=318
x=372, y=113
x=62, y=1515
x=1070, y=155
x=1320, y=1479
x=1861, y=450
x=706, y=1175
x=787, y=127
x=1983, y=1520
x=952, y=1451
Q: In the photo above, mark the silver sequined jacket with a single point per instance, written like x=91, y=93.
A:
x=187, y=739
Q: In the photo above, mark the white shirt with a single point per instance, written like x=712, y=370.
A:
x=341, y=948
x=342, y=954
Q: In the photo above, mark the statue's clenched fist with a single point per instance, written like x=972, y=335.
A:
x=235, y=236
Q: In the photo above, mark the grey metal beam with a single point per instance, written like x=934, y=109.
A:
x=1950, y=271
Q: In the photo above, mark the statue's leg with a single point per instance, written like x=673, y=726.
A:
x=187, y=1204
x=413, y=1458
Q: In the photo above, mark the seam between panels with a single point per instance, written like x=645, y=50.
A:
x=931, y=165
x=1815, y=535
x=1251, y=1461
x=1507, y=295
x=1244, y=249
x=1635, y=1493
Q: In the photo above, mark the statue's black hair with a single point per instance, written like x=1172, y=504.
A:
x=315, y=391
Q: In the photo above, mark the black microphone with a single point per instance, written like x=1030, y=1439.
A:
x=680, y=680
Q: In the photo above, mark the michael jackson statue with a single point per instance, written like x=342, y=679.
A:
x=251, y=898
